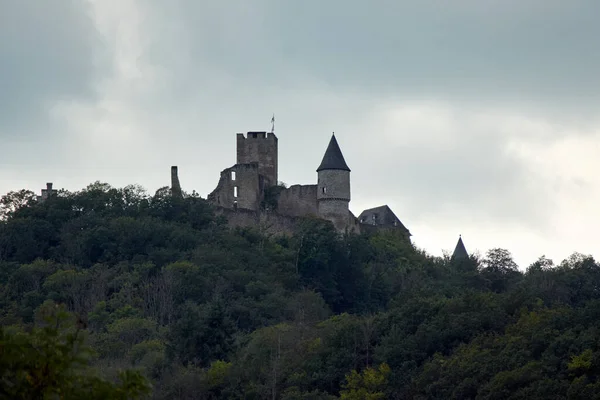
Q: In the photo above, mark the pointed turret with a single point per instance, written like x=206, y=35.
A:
x=333, y=158
x=460, y=252
x=333, y=187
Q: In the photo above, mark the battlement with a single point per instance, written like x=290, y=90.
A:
x=257, y=135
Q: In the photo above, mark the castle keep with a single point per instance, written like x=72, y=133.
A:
x=251, y=187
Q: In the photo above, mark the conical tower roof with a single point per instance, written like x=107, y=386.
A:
x=333, y=158
x=460, y=251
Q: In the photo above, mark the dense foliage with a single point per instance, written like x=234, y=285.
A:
x=158, y=287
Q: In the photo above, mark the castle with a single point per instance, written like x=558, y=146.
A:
x=249, y=193
x=252, y=185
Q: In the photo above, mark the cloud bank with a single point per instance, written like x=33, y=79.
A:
x=476, y=119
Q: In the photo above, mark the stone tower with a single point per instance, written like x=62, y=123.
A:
x=333, y=187
x=175, y=185
x=259, y=148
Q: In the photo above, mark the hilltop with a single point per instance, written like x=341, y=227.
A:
x=162, y=284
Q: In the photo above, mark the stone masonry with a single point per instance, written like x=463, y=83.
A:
x=175, y=185
x=46, y=193
x=259, y=148
x=298, y=201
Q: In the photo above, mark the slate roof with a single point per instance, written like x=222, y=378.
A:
x=333, y=158
x=384, y=217
x=460, y=251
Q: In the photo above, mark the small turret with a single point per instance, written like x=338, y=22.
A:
x=333, y=187
x=460, y=252
x=333, y=158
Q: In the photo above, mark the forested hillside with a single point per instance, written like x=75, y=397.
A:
x=166, y=295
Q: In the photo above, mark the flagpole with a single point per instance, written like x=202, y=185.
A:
x=273, y=123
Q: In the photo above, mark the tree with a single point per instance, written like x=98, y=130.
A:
x=12, y=202
x=500, y=270
x=52, y=361
x=370, y=384
x=202, y=333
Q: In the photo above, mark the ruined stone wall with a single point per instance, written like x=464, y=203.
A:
x=270, y=223
x=175, y=185
x=298, y=200
x=260, y=148
x=239, y=187
x=273, y=223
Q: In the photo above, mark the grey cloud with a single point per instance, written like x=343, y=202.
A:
x=538, y=57
x=48, y=52
x=475, y=179
x=474, y=49
x=321, y=66
x=511, y=52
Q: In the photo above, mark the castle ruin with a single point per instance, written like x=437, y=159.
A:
x=249, y=193
x=251, y=187
x=46, y=193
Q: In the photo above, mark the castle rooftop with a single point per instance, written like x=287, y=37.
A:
x=382, y=216
x=460, y=251
x=333, y=158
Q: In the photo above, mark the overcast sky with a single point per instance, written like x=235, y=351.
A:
x=472, y=117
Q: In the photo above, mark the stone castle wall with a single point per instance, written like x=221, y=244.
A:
x=335, y=211
x=270, y=223
x=273, y=223
x=298, y=200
